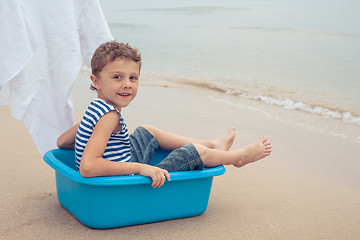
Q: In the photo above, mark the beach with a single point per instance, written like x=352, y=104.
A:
x=286, y=70
x=308, y=188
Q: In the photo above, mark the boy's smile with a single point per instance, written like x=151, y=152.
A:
x=118, y=82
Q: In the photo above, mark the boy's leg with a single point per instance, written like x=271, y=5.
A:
x=143, y=146
x=171, y=141
x=185, y=158
x=238, y=158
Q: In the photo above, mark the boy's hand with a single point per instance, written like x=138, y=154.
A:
x=158, y=175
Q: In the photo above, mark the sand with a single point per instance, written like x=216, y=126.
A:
x=307, y=189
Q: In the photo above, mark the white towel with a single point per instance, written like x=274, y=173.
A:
x=43, y=45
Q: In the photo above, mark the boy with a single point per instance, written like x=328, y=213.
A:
x=103, y=146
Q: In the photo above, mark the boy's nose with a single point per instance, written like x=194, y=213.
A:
x=127, y=83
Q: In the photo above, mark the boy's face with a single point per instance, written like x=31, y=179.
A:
x=118, y=82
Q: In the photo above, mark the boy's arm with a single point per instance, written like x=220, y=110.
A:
x=92, y=164
x=67, y=139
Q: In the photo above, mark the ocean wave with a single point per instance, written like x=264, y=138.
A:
x=285, y=103
x=294, y=105
x=331, y=129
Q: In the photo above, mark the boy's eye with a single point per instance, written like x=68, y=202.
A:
x=117, y=77
x=133, y=78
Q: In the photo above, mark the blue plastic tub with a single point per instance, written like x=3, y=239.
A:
x=110, y=202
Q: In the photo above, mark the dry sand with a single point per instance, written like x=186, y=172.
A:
x=307, y=189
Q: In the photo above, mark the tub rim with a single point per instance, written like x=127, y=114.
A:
x=74, y=175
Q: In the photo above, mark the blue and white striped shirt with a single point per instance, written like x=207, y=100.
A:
x=118, y=147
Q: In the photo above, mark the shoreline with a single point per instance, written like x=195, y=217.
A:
x=293, y=194
x=289, y=99
x=320, y=119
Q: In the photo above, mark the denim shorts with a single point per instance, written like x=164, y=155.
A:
x=143, y=146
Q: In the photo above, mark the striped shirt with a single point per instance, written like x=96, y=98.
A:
x=118, y=146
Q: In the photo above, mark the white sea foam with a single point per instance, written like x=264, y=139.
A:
x=293, y=105
x=336, y=130
x=285, y=103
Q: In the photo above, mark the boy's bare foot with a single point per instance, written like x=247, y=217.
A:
x=225, y=142
x=254, y=152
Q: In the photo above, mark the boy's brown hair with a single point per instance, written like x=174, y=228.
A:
x=111, y=51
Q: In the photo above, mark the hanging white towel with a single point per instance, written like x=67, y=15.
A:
x=43, y=46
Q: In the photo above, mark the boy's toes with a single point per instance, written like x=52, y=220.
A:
x=263, y=139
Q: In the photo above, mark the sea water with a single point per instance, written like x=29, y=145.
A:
x=293, y=60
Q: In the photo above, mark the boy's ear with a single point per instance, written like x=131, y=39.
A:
x=95, y=81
